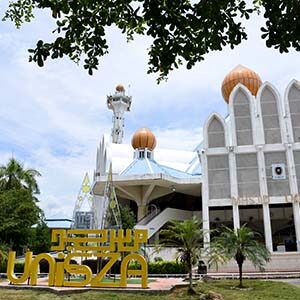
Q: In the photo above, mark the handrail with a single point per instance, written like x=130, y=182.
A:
x=158, y=220
x=145, y=220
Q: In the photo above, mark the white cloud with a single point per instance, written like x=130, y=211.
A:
x=178, y=138
x=53, y=117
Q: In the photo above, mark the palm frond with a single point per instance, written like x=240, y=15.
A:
x=13, y=175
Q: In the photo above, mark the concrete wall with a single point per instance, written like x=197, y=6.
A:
x=166, y=253
x=280, y=262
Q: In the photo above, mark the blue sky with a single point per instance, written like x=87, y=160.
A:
x=52, y=118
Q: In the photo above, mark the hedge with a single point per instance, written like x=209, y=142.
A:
x=19, y=267
x=162, y=267
x=92, y=263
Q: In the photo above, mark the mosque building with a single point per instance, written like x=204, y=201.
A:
x=245, y=170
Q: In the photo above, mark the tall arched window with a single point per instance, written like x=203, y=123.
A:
x=218, y=176
x=242, y=116
x=270, y=116
x=294, y=104
x=215, y=133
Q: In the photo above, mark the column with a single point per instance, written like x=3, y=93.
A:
x=205, y=200
x=267, y=227
x=142, y=211
x=234, y=189
x=296, y=213
x=236, y=216
x=264, y=192
x=294, y=191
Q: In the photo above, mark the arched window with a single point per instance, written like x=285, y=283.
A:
x=242, y=115
x=218, y=176
x=294, y=104
x=215, y=133
x=270, y=116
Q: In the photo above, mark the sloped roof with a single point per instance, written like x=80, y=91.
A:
x=58, y=221
x=121, y=155
x=55, y=223
x=142, y=166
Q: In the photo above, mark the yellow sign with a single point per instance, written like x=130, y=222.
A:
x=81, y=244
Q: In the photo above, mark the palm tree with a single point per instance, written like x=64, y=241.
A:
x=15, y=176
x=187, y=237
x=240, y=244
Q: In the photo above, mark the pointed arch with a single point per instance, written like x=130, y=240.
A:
x=292, y=101
x=103, y=156
x=270, y=110
x=215, y=132
x=104, y=162
x=241, y=116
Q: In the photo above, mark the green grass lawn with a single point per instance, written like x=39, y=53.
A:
x=130, y=280
x=258, y=290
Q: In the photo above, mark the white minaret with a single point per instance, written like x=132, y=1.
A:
x=118, y=103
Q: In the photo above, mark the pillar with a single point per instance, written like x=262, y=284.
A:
x=294, y=191
x=236, y=216
x=205, y=200
x=264, y=192
x=142, y=211
x=267, y=227
x=234, y=189
x=296, y=213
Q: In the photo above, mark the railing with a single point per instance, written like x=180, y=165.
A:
x=162, y=218
x=149, y=217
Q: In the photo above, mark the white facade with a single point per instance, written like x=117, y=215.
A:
x=246, y=170
x=238, y=155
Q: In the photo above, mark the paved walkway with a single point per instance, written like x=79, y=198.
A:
x=159, y=285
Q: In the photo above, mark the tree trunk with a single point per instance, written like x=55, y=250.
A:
x=241, y=275
x=191, y=291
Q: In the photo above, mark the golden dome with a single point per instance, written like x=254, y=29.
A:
x=143, y=138
x=120, y=88
x=243, y=75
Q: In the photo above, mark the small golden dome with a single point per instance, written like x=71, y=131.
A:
x=143, y=138
x=120, y=88
x=243, y=75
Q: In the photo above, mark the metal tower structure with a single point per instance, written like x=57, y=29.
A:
x=111, y=208
x=118, y=103
x=84, y=219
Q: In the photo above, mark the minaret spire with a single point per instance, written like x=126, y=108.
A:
x=118, y=103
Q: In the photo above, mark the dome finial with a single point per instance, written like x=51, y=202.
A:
x=143, y=138
x=243, y=75
x=120, y=88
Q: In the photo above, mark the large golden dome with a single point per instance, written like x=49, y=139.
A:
x=143, y=138
x=243, y=75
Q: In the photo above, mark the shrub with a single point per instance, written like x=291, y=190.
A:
x=44, y=266
x=162, y=267
x=92, y=263
x=3, y=267
x=166, y=267
x=158, y=259
x=19, y=267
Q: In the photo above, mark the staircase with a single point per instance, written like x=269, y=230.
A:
x=158, y=221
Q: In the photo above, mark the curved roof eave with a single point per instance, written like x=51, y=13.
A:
x=156, y=178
